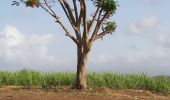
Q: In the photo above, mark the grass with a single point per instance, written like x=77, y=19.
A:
x=94, y=80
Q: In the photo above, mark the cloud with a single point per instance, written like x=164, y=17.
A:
x=101, y=59
x=163, y=40
x=149, y=28
x=142, y=26
x=22, y=50
x=135, y=61
x=132, y=57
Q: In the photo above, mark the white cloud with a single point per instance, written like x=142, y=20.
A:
x=163, y=40
x=101, y=59
x=136, y=57
x=135, y=61
x=18, y=49
x=149, y=22
x=10, y=37
x=132, y=57
x=150, y=29
x=143, y=26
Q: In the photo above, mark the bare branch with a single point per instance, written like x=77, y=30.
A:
x=76, y=29
x=93, y=35
x=69, y=11
x=67, y=32
x=98, y=25
x=53, y=14
x=84, y=12
x=101, y=35
x=49, y=7
x=75, y=10
x=62, y=5
x=95, y=15
x=47, y=11
x=80, y=17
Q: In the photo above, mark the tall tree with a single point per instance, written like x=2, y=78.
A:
x=87, y=28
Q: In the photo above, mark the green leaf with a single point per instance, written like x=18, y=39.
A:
x=107, y=5
x=32, y=3
x=109, y=27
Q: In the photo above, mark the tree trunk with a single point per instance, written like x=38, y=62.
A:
x=82, y=59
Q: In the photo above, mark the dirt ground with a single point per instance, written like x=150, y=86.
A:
x=64, y=93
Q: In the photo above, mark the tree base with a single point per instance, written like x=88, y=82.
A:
x=80, y=87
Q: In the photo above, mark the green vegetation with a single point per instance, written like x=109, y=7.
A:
x=94, y=80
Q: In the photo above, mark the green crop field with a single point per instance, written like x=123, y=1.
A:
x=94, y=80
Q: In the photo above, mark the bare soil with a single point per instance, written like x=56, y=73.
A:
x=66, y=93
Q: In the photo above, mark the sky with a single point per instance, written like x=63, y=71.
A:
x=30, y=38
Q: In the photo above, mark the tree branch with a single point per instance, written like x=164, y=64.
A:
x=101, y=35
x=84, y=13
x=80, y=18
x=49, y=7
x=95, y=15
x=75, y=10
x=98, y=21
x=69, y=11
x=98, y=25
x=47, y=11
x=67, y=32
x=76, y=29
x=62, y=5
x=53, y=14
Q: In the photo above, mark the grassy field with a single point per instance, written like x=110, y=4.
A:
x=94, y=80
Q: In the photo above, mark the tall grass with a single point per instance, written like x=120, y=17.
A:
x=94, y=80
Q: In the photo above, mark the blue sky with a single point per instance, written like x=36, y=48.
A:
x=29, y=38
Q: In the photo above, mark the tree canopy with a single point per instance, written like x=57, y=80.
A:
x=105, y=10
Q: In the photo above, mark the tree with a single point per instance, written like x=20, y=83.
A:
x=87, y=28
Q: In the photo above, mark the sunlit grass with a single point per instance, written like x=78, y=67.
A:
x=94, y=80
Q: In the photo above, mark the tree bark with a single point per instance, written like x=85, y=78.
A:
x=82, y=59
